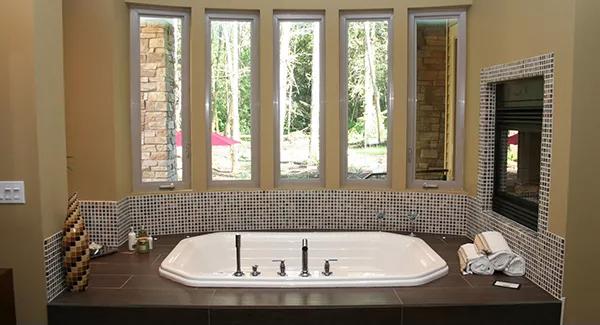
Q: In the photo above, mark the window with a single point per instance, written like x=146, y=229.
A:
x=299, y=88
x=366, y=96
x=436, y=98
x=232, y=97
x=517, y=154
x=159, y=97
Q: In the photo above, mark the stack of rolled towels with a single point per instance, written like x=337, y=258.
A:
x=488, y=253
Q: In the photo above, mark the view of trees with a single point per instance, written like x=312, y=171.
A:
x=299, y=91
x=231, y=98
x=299, y=83
x=367, y=86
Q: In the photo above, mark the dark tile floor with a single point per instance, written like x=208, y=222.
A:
x=129, y=280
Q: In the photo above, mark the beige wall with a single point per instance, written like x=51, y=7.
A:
x=508, y=30
x=32, y=142
x=96, y=52
x=583, y=225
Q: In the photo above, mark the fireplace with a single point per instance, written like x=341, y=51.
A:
x=518, y=136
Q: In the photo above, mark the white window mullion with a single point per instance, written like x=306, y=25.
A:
x=436, y=98
x=159, y=51
x=299, y=119
x=232, y=106
x=366, y=98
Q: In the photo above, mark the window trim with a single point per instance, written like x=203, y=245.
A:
x=135, y=13
x=461, y=16
x=317, y=16
x=253, y=18
x=345, y=18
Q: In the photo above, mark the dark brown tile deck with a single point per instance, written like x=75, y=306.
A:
x=127, y=285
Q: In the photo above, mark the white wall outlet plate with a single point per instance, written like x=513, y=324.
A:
x=12, y=192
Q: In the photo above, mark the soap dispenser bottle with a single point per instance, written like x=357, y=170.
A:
x=131, y=240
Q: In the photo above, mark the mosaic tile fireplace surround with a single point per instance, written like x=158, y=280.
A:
x=108, y=222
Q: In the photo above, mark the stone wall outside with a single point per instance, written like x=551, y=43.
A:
x=158, y=102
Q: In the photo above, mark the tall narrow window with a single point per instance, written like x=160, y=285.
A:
x=436, y=98
x=365, y=92
x=159, y=96
x=232, y=86
x=299, y=88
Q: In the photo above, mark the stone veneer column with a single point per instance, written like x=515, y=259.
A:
x=431, y=81
x=158, y=101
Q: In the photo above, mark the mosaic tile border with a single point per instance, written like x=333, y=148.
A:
x=107, y=222
x=543, y=251
x=161, y=214
x=53, y=260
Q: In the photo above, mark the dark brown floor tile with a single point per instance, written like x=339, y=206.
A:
x=67, y=315
x=487, y=281
x=452, y=280
x=135, y=297
x=456, y=241
x=321, y=316
x=449, y=255
x=123, y=268
x=431, y=239
x=529, y=314
x=421, y=296
x=305, y=297
x=108, y=281
x=132, y=257
x=155, y=281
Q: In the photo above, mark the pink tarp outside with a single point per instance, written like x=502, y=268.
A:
x=513, y=139
x=215, y=139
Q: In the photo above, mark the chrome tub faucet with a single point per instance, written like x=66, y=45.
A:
x=238, y=246
x=304, y=272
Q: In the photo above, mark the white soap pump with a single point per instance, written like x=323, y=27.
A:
x=131, y=240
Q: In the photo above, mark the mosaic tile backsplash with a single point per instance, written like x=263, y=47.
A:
x=55, y=272
x=164, y=214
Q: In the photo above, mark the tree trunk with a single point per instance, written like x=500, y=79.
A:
x=284, y=100
x=373, y=118
x=370, y=116
x=315, y=106
x=233, y=118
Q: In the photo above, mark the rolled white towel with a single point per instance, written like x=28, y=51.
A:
x=516, y=266
x=500, y=260
x=473, y=262
x=495, y=246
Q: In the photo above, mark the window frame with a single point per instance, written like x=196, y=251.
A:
x=253, y=18
x=278, y=17
x=461, y=16
x=135, y=13
x=345, y=19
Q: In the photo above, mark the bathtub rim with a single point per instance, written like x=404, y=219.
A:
x=296, y=282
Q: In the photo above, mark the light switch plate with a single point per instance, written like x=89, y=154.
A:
x=12, y=192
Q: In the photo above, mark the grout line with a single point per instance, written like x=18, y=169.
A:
x=126, y=281
x=156, y=258
x=467, y=281
x=398, y=296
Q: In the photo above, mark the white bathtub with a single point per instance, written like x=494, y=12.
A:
x=365, y=259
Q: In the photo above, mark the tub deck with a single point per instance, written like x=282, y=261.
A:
x=125, y=288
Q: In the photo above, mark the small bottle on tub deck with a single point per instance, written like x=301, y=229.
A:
x=151, y=242
x=131, y=240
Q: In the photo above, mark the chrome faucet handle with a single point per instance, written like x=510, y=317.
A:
x=255, y=270
x=281, y=267
x=327, y=267
x=412, y=217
